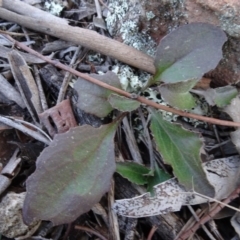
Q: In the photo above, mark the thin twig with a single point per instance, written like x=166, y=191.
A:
x=15, y=34
x=67, y=76
x=90, y=231
x=148, y=140
x=12, y=62
x=24, y=129
x=113, y=219
x=98, y=8
x=105, y=6
x=202, y=225
x=214, y=230
x=33, y=126
x=131, y=141
x=40, y=89
x=210, y=148
x=217, y=201
x=37, y=77
x=188, y=224
x=152, y=231
x=211, y=213
x=65, y=236
x=124, y=93
x=218, y=139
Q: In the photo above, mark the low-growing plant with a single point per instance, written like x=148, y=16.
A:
x=75, y=170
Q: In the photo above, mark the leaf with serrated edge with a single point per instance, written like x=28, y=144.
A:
x=122, y=103
x=177, y=94
x=181, y=149
x=188, y=52
x=134, y=172
x=93, y=98
x=224, y=95
x=71, y=175
x=221, y=96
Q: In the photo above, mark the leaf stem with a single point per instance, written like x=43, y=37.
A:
x=122, y=92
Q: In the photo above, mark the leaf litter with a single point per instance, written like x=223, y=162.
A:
x=74, y=172
x=170, y=196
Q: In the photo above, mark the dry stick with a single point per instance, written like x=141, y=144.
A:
x=25, y=9
x=15, y=34
x=40, y=88
x=12, y=61
x=32, y=126
x=202, y=225
x=98, y=8
x=148, y=140
x=213, y=228
x=36, y=19
x=67, y=232
x=67, y=76
x=153, y=230
x=122, y=92
x=22, y=128
x=37, y=78
x=131, y=142
x=113, y=219
x=211, y=214
x=105, y=6
x=86, y=229
x=188, y=224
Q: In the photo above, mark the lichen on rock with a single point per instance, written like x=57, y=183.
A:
x=11, y=220
x=123, y=23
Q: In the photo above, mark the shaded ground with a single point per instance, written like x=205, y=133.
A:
x=130, y=143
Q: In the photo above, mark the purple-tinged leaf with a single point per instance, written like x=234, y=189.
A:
x=93, y=98
x=71, y=175
x=188, y=52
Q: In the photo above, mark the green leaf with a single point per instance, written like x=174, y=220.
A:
x=181, y=149
x=159, y=176
x=188, y=52
x=134, y=172
x=71, y=174
x=224, y=95
x=122, y=103
x=177, y=94
x=93, y=98
x=221, y=96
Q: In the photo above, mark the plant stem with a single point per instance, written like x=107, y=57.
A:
x=122, y=92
